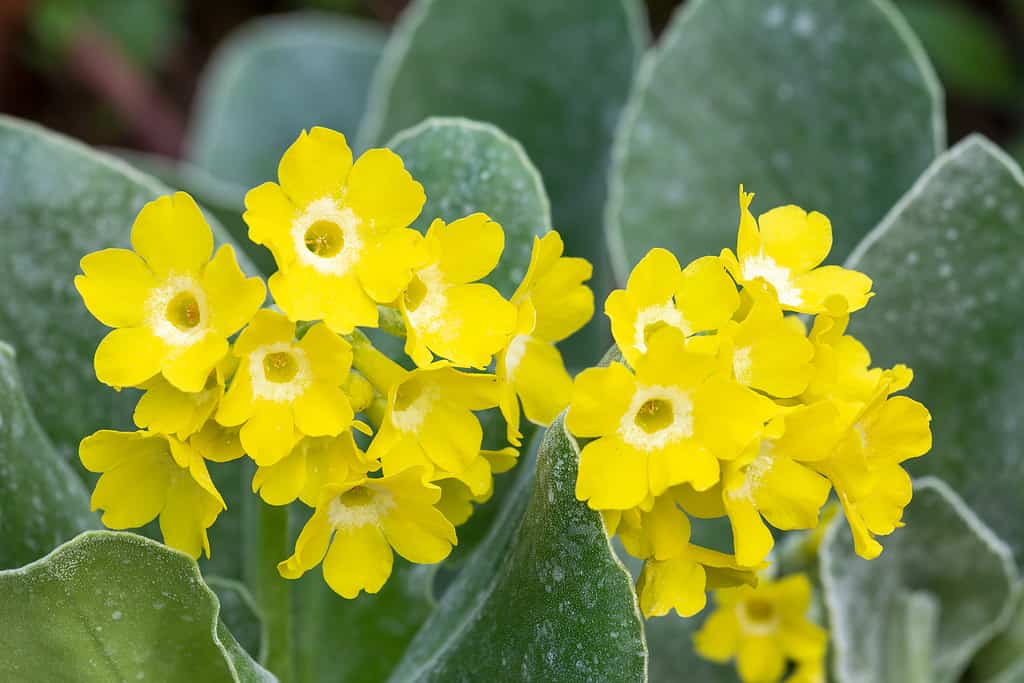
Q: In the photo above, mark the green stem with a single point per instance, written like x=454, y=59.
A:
x=382, y=372
x=267, y=547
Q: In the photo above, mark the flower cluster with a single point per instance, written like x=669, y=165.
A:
x=388, y=456
x=725, y=406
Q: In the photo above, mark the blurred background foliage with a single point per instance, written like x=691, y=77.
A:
x=123, y=73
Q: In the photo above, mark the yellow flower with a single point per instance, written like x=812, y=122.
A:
x=761, y=628
x=165, y=409
x=770, y=479
x=808, y=671
x=217, y=443
x=367, y=518
x=284, y=389
x=145, y=475
x=765, y=351
x=700, y=298
x=172, y=307
x=314, y=462
x=785, y=248
x=552, y=303
x=338, y=231
x=429, y=423
x=445, y=310
x=865, y=467
x=681, y=582
x=667, y=424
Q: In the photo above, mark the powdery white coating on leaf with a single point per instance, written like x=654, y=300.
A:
x=274, y=77
x=952, y=313
x=784, y=96
x=944, y=551
x=465, y=167
x=82, y=613
x=546, y=598
x=42, y=500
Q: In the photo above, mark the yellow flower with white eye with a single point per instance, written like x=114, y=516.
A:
x=865, y=468
x=357, y=524
x=785, y=248
x=773, y=481
x=761, y=628
x=429, y=423
x=314, y=462
x=668, y=423
x=765, y=351
x=552, y=303
x=446, y=311
x=143, y=476
x=339, y=231
x=700, y=298
x=284, y=389
x=172, y=307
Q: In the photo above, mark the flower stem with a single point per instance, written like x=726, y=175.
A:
x=391, y=321
x=382, y=372
x=267, y=545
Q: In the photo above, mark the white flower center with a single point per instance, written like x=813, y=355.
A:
x=741, y=365
x=280, y=372
x=765, y=267
x=425, y=300
x=657, y=416
x=514, y=354
x=177, y=311
x=358, y=507
x=653, y=316
x=754, y=473
x=326, y=237
x=412, y=405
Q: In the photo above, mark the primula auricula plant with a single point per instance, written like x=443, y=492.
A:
x=724, y=400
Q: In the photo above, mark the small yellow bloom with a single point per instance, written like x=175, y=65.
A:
x=761, y=628
x=668, y=423
x=284, y=389
x=681, y=583
x=172, y=307
x=700, y=298
x=429, y=423
x=552, y=303
x=217, y=443
x=446, y=310
x=785, y=248
x=165, y=409
x=143, y=476
x=865, y=467
x=357, y=524
x=339, y=231
x=314, y=462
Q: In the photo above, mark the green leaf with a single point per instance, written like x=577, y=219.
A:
x=553, y=75
x=59, y=201
x=42, y=500
x=828, y=104
x=968, y=50
x=240, y=614
x=1002, y=660
x=465, y=167
x=113, y=606
x=946, y=264
x=273, y=78
x=879, y=618
x=545, y=598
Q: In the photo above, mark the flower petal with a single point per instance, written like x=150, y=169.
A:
x=128, y=356
x=382, y=193
x=269, y=434
x=316, y=165
x=234, y=298
x=171, y=234
x=600, y=397
x=359, y=559
x=115, y=286
x=419, y=533
x=612, y=476
x=188, y=369
x=470, y=248
x=322, y=410
x=309, y=548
